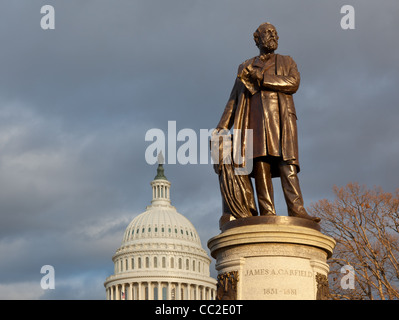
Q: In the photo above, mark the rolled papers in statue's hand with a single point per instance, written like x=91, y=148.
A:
x=248, y=81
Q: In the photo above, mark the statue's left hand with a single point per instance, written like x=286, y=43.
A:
x=256, y=74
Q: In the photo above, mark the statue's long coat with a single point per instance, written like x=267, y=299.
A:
x=285, y=82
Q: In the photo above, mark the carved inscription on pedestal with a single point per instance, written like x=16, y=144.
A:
x=273, y=278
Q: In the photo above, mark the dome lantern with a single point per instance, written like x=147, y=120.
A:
x=160, y=185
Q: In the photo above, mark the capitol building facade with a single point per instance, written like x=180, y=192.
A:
x=161, y=257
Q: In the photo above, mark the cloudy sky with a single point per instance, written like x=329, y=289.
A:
x=76, y=103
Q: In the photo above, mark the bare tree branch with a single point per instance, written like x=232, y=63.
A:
x=365, y=224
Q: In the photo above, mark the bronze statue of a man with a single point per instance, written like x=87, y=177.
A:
x=261, y=100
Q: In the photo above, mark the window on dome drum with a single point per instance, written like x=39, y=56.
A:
x=175, y=230
x=187, y=264
x=163, y=262
x=172, y=262
x=170, y=230
x=155, y=262
x=156, y=229
x=147, y=262
x=163, y=229
x=139, y=263
x=127, y=264
x=180, y=264
x=193, y=265
x=132, y=263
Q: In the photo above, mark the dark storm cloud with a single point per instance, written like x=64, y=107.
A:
x=77, y=101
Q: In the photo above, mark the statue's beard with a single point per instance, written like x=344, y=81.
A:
x=270, y=45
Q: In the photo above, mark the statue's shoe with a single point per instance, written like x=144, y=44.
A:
x=309, y=217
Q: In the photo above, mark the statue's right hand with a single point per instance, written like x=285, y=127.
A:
x=220, y=131
x=216, y=167
x=215, y=147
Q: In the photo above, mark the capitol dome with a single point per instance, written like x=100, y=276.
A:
x=161, y=256
x=161, y=223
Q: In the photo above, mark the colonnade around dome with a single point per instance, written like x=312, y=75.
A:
x=160, y=290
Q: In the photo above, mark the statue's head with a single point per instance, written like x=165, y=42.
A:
x=266, y=37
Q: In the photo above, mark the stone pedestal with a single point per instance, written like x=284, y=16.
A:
x=271, y=258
